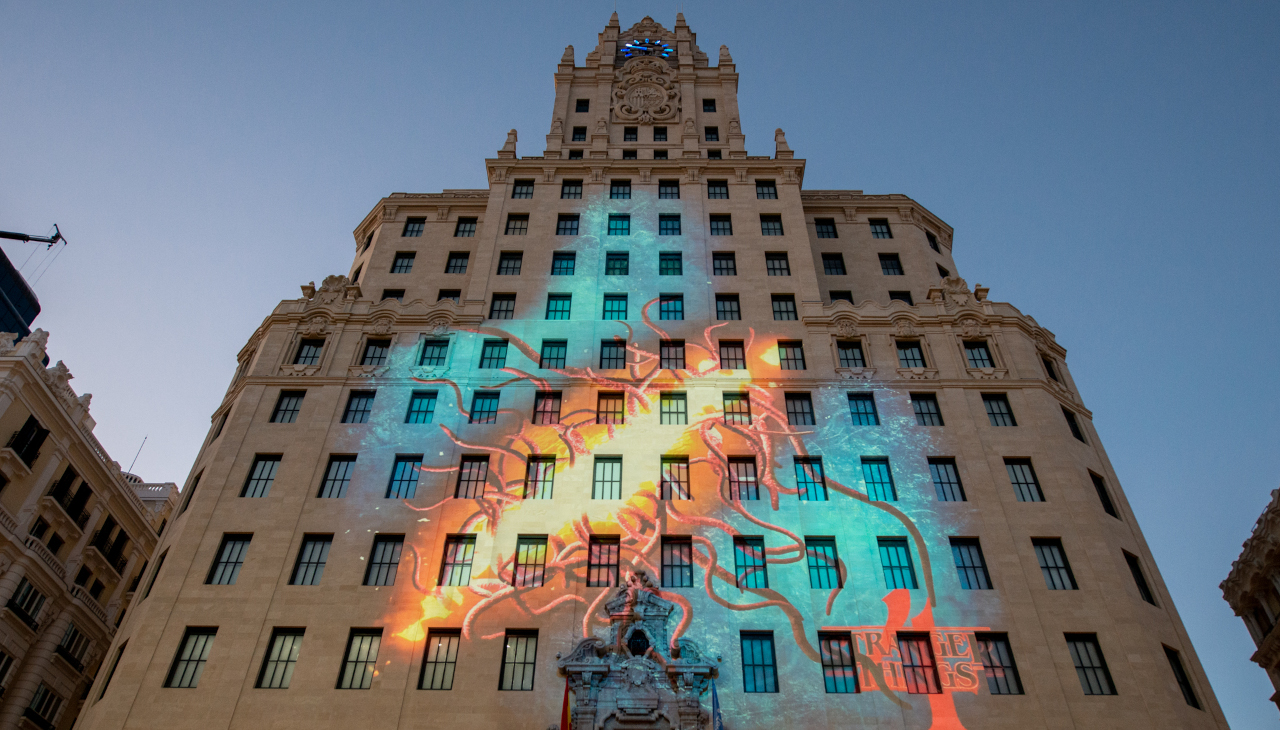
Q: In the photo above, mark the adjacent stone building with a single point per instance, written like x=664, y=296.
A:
x=642, y=416
x=1253, y=590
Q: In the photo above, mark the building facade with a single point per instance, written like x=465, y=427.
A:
x=1253, y=590
x=644, y=420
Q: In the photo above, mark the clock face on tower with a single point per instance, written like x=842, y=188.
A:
x=646, y=47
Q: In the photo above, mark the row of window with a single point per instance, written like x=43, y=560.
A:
x=668, y=224
x=584, y=105
x=618, y=263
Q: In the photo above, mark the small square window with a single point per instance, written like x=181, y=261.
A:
x=309, y=352
x=433, y=353
x=671, y=355
x=674, y=409
x=454, y=295
x=559, y=305
x=615, y=307
x=659, y=134
x=668, y=225
x=553, y=354
x=613, y=354
x=901, y=296
x=766, y=190
x=890, y=265
x=732, y=355
x=713, y=154
x=522, y=189
x=708, y=105
x=422, y=407
x=466, y=228
x=825, y=227
x=571, y=190
x=546, y=408
x=713, y=134
x=737, y=412
x=770, y=225
x=671, y=307
x=359, y=406
x=833, y=264
x=493, y=355
x=862, y=408
x=910, y=354
x=630, y=134
x=850, y=353
x=670, y=264
x=509, y=263
x=413, y=227
x=567, y=225
x=727, y=307
x=375, y=352
x=484, y=408
x=617, y=264
x=784, y=307
x=610, y=408
x=724, y=264
x=721, y=225
x=841, y=295
x=718, y=189
x=791, y=354
x=583, y=105
x=659, y=154
x=575, y=154
x=629, y=155
x=503, y=306
x=799, y=409
x=403, y=262
x=926, y=409
x=563, y=264
x=978, y=355
x=880, y=228
x=457, y=263
x=619, y=225
x=579, y=135
x=620, y=189
x=396, y=294
x=776, y=264
x=517, y=224
x=668, y=189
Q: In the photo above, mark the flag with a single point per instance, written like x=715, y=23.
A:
x=717, y=720
x=564, y=707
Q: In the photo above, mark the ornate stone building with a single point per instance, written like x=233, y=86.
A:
x=642, y=416
x=1253, y=590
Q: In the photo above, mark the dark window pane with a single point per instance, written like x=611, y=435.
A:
x=743, y=484
x=998, y=410
x=312, y=557
x=309, y=352
x=620, y=189
x=667, y=189
x=441, y=659
x=997, y=661
x=1091, y=667
x=838, y=671
x=459, y=551
x=613, y=355
x=228, y=560
x=895, y=561
x=337, y=477
x=484, y=408
x=671, y=307
x=799, y=409
x=879, y=479
x=724, y=264
x=375, y=352
x=546, y=408
x=493, y=354
x=572, y=189
x=749, y=562
x=609, y=408
x=674, y=483
x=1180, y=674
x=670, y=264
x=727, y=307
x=359, y=406
x=384, y=560
x=825, y=227
x=559, y=306
x=759, y=667
x=457, y=263
x=617, y=264
x=566, y=225
x=918, y=666
x=926, y=409
x=1023, y=478
x=677, y=562
x=833, y=264
x=517, y=225
x=472, y=473
x=776, y=264
x=737, y=409
x=946, y=480
x=522, y=189
x=413, y=227
x=732, y=355
x=971, y=567
x=766, y=190
x=862, y=408
x=880, y=228
x=433, y=353
x=261, y=476
x=791, y=355
x=404, y=477
x=770, y=225
x=1054, y=565
x=602, y=561
x=978, y=355
x=540, y=476
x=850, y=352
x=784, y=307
x=287, y=407
x=810, y=482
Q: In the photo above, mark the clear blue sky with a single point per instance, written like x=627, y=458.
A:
x=1109, y=168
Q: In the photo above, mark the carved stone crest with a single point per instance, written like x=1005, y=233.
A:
x=439, y=326
x=846, y=328
x=904, y=328
x=381, y=326
x=315, y=326
x=644, y=91
x=969, y=326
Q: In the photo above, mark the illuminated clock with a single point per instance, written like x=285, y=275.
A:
x=647, y=47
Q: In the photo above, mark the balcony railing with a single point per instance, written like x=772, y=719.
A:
x=94, y=607
x=23, y=616
x=46, y=555
x=62, y=651
x=36, y=719
x=79, y=516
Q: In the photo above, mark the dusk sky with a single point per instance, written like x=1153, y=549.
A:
x=1109, y=168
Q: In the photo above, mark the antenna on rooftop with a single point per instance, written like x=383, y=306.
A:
x=135, y=456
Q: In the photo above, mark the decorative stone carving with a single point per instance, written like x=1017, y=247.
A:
x=856, y=373
x=734, y=126
x=314, y=327
x=846, y=328
x=557, y=126
x=440, y=326
x=689, y=128
x=381, y=326
x=970, y=327
x=442, y=213
x=903, y=327
x=602, y=126
x=645, y=91
x=917, y=373
x=6, y=342
x=331, y=290
x=389, y=212
x=987, y=373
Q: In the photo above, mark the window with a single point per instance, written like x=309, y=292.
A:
x=926, y=407
x=559, y=306
x=669, y=225
x=629, y=155
x=375, y=352
x=918, y=666
x=824, y=564
x=1091, y=667
x=7, y=662
x=606, y=480
x=1073, y=425
x=227, y=561
x=360, y=663
x=531, y=561
x=45, y=704
x=770, y=225
x=759, y=668
x=73, y=646
x=1049, y=368
x=572, y=189
x=825, y=227
x=404, y=477
x=933, y=241
x=1103, y=496
x=457, y=263
x=766, y=190
x=422, y=407
x=674, y=409
x=602, y=561
x=359, y=405
x=791, y=354
x=539, y=478
x=677, y=562
x=459, y=550
x=484, y=408
x=670, y=264
x=519, y=653
x=671, y=307
x=546, y=408
x=384, y=560
x=440, y=660
x=579, y=135
x=150, y=584
x=838, y=671
x=509, y=263
x=997, y=660
x=1139, y=579
x=309, y=352
x=473, y=471
x=261, y=476
x=566, y=225
x=970, y=565
x=522, y=189
x=718, y=190
x=784, y=307
x=617, y=264
x=280, y=659
x=1054, y=565
x=879, y=478
x=337, y=477
x=575, y=154
x=910, y=354
x=312, y=557
x=833, y=264
x=776, y=264
x=613, y=354
x=466, y=228
x=630, y=134
x=712, y=134
x=1024, y=481
x=978, y=355
x=667, y=189
x=517, y=225
x=355, y=277
x=743, y=484
x=850, y=353
x=433, y=353
x=620, y=189
x=901, y=296
x=890, y=265
x=946, y=480
x=727, y=307
x=28, y=600
x=193, y=652
x=942, y=271
x=412, y=229
x=862, y=408
x=998, y=409
x=737, y=409
x=895, y=559
x=583, y=105
x=880, y=228
x=609, y=408
x=708, y=105
x=188, y=493
x=619, y=225
x=493, y=355
x=287, y=406
x=749, y=562
x=724, y=264
x=721, y=225
x=1180, y=674
x=659, y=134
x=674, y=483
x=733, y=355
x=799, y=409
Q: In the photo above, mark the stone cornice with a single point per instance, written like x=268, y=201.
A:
x=837, y=201
x=1260, y=557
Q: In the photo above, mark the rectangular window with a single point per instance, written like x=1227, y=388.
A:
x=737, y=409
x=579, y=135
x=926, y=407
x=615, y=307
x=73, y=646
x=522, y=189
x=749, y=562
x=841, y=295
x=309, y=352
x=1091, y=666
x=978, y=355
x=970, y=565
x=879, y=478
x=901, y=296
x=459, y=551
x=422, y=407
x=360, y=662
x=473, y=471
x=440, y=660
x=942, y=271
x=910, y=354
x=606, y=480
x=784, y=307
x=457, y=263
x=28, y=600
x=1049, y=368
x=810, y=482
x=287, y=407
x=825, y=227
x=799, y=409
x=509, y=263
x=671, y=307
x=721, y=225
x=1073, y=425
x=45, y=704
x=997, y=661
x=566, y=225
x=918, y=667
x=553, y=354
x=743, y=484
x=838, y=671
x=519, y=655
x=759, y=667
x=669, y=225
x=824, y=564
x=946, y=480
x=712, y=134
x=727, y=307
x=791, y=354
x=227, y=562
x=776, y=264
x=413, y=227
x=312, y=557
x=766, y=190
x=484, y=408
x=576, y=154
x=384, y=560
x=1180, y=674
x=724, y=264
x=546, y=407
x=677, y=562
x=193, y=652
x=708, y=105
x=261, y=476
x=404, y=477
x=933, y=241
x=620, y=189
x=850, y=352
x=559, y=306
x=674, y=409
x=770, y=225
x=674, y=483
x=617, y=264
x=660, y=134
x=1054, y=565
x=630, y=134
x=880, y=228
x=531, y=561
x=895, y=560
x=563, y=264
x=572, y=189
x=539, y=479
x=670, y=264
x=1023, y=478
x=609, y=408
x=280, y=659
x=733, y=355
x=493, y=355
x=998, y=410
x=375, y=352
x=1139, y=580
x=862, y=408
x=1103, y=495
x=602, y=561
x=668, y=189
x=613, y=355
x=833, y=264
x=359, y=406
x=890, y=264
x=630, y=155
x=517, y=225
x=7, y=662
x=433, y=353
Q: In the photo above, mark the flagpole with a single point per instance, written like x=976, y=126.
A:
x=717, y=719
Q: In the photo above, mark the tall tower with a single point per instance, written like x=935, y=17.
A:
x=642, y=416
